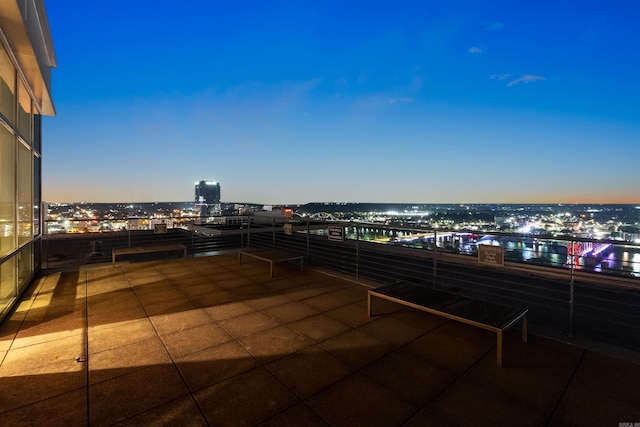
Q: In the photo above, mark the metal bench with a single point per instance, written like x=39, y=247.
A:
x=147, y=249
x=270, y=255
x=489, y=316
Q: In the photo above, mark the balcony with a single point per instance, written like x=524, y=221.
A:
x=209, y=342
x=568, y=297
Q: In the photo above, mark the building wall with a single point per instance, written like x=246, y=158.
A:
x=21, y=106
x=207, y=198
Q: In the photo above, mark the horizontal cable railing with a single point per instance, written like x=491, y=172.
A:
x=585, y=287
x=571, y=297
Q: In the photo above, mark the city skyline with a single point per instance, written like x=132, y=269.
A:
x=288, y=103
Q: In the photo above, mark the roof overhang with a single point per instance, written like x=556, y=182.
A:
x=24, y=27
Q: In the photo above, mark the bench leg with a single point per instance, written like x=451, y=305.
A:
x=368, y=304
x=499, y=349
x=239, y=258
x=271, y=269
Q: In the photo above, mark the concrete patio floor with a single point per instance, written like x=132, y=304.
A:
x=209, y=342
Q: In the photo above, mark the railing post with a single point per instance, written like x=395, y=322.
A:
x=44, y=255
x=273, y=232
x=571, y=289
x=248, y=231
x=357, y=252
x=435, y=256
x=308, y=237
x=241, y=233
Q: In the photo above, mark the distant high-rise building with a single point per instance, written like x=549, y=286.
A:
x=26, y=59
x=208, y=198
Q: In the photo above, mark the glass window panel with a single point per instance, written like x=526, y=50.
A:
x=37, y=133
x=36, y=195
x=7, y=283
x=7, y=87
x=25, y=265
x=24, y=113
x=25, y=194
x=7, y=191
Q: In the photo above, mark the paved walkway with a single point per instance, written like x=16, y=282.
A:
x=209, y=342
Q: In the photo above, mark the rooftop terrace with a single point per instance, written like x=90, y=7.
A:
x=209, y=342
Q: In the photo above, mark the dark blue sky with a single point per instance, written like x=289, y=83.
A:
x=291, y=102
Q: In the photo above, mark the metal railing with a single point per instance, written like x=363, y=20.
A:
x=573, y=297
x=570, y=292
x=569, y=254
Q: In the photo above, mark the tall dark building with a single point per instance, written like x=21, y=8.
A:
x=208, y=198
